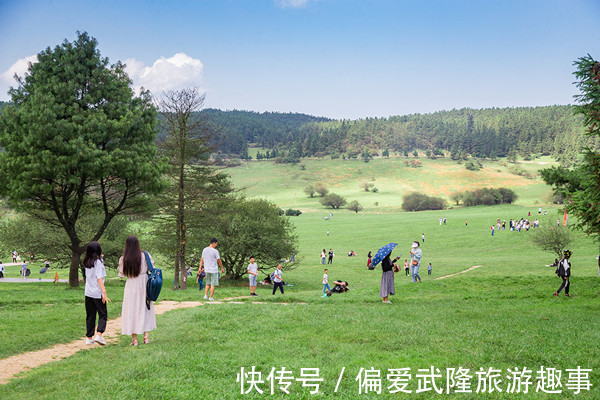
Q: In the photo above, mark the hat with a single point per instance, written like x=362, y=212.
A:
x=567, y=253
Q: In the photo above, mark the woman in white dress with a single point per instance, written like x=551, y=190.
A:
x=136, y=318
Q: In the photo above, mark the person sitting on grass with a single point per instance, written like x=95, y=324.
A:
x=339, y=287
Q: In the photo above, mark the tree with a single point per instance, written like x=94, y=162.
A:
x=310, y=191
x=457, y=197
x=552, y=238
x=415, y=153
x=187, y=139
x=419, y=201
x=580, y=186
x=246, y=228
x=385, y=153
x=366, y=155
x=367, y=186
x=321, y=190
x=355, y=206
x=333, y=200
x=77, y=143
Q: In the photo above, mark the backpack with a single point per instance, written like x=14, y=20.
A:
x=154, y=283
x=273, y=276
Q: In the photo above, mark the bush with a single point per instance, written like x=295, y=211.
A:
x=355, y=206
x=333, y=200
x=419, y=201
x=488, y=197
x=292, y=213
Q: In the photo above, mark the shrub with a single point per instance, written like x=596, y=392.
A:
x=333, y=200
x=355, y=206
x=292, y=213
x=488, y=197
x=419, y=201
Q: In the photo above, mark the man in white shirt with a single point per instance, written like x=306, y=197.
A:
x=210, y=259
x=252, y=276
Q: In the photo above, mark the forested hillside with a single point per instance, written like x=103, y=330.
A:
x=521, y=131
x=493, y=132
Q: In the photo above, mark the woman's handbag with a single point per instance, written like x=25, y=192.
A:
x=415, y=262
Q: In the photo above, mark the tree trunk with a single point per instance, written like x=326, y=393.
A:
x=74, y=269
x=176, y=278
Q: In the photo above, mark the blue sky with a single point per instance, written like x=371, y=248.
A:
x=335, y=58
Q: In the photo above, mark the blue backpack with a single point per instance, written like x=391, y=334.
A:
x=154, y=283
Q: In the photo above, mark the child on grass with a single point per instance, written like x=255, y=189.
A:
x=325, y=282
x=429, y=269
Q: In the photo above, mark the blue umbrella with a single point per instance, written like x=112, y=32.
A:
x=382, y=252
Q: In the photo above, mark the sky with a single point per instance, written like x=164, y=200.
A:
x=343, y=59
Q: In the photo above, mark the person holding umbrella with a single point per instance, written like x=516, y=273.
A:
x=415, y=261
x=387, y=266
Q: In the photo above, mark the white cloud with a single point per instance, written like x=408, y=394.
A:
x=174, y=73
x=7, y=78
x=291, y=3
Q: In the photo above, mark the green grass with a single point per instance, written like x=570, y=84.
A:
x=284, y=183
x=501, y=315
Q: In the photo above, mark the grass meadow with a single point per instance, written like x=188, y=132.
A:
x=501, y=315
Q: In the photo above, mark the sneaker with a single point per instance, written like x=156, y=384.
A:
x=89, y=341
x=99, y=340
x=387, y=302
x=205, y=297
x=555, y=294
x=211, y=299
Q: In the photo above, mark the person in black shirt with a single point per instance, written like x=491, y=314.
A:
x=387, y=278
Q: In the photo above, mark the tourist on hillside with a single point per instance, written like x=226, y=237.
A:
x=415, y=261
x=339, y=286
x=278, y=279
x=136, y=317
x=24, y=271
x=323, y=257
x=429, y=269
x=325, y=282
x=252, y=276
x=492, y=230
x=406, y=267
x=210, y=259
x=387, y=278
x=14, y=256
x=423, y=238
x=564, y=272
x=331, y=255
x=369, y=260
x=1, y=270
x=95, y=294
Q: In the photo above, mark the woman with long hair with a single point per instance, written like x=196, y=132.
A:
x=136, y=318
x=95, y=293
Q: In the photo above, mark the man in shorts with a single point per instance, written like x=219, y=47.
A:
x=252, y=276
x=210, y=259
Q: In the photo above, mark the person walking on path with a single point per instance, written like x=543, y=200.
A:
x=415, y=261
x=1, y=270
x=136, y=317
x=564, y=271
x=406, y=267
x=210, y=259
x=323, y=257
x=14, y=256
x=252, y=276
x=387, y=288
x=95, y=294
x=325, y=282
x=331, y=255
x=278, y=279
x=24, y=271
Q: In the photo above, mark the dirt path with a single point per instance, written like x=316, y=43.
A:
x=461, y=272
x=11, y=366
